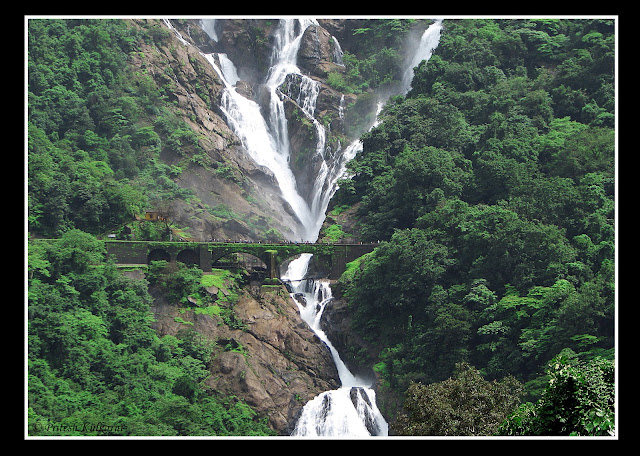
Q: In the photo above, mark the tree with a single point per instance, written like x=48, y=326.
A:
x=396, y=281
x=424, y=178
x=579, y=400
x=75, y=253
x=465, y=405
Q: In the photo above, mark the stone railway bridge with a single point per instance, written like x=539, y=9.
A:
x=332, y=258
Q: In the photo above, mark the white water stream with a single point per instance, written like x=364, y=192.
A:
x=265, y=136
x=267, y=146
x=421, y=51
x=351, y=410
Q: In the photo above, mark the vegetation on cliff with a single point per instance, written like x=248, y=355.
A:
x=110, y=134
x=491, y=186
x=90, y=127
x=96, y=365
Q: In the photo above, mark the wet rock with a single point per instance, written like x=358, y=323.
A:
x=275, y=363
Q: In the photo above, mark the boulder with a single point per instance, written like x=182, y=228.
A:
x=317, y=52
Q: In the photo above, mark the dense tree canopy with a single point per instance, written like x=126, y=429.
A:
x=95, y=127
x=97, y=367
x=578, y=401
x=466, y=405
x=491, y=186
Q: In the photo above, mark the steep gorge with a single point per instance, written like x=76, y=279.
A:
x=276, y=364
x=234, y=196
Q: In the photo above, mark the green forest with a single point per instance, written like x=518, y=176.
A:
x=490, y=187
x=95, y=130
x=98, y=368
x=96, y=127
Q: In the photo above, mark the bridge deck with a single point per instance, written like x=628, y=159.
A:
x=333, y=257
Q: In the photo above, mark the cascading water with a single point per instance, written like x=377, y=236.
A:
x=421, y=51
x=287, y=43
x=267, y=138
x=351, y=410
x=209, y=26
x=246, y=120
x=418, y=52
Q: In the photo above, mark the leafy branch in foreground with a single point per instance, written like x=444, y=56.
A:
x=579, y=400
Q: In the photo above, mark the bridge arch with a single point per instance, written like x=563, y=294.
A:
x=251, y=261
x=189, y=257
x=333, y=257
x=158, y=254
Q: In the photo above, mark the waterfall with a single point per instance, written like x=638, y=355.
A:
x=265, y=136
x=351, y=410
x=421, y=51
x=284, y=55
x=246, y=120
x=267, y=139
x=178, y=34
x=228, y=70
x=418, y=52
x=337, y=51
x=209, y=26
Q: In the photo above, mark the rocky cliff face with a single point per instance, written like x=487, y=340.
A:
x=275, y=363
x=234, y=197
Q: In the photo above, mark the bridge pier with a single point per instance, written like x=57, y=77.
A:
x=206, y=260
x=272, y=264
